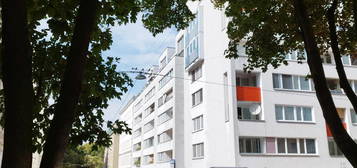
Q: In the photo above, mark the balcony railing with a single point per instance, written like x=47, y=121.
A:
x=248, y=93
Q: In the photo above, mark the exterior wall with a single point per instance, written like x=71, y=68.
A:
x=221, y=138
x=139, y=106
x=112, y=153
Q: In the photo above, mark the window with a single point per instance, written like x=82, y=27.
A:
x=137, y=161
x=137, y=146
x=167, y=115
x=160, y=102
x=138, y=105
x=166, y=78
x=301, y=55
x=287, y=81
x=148, y=159
x=165, y=136
x=197, y=97
x=281, y=145
x=250, y=145
x=247, y=80
x=291, y=82
x=137, y=119
x=353, y=116
x=149, y=142
x=164, y=156
x=149, y=110
x=326, y=58
x=291, y=56
x=310, y=146
x=196, y=73
x=333, y=148
x=149, y=126
x=345, y=59
x=292, y=145
x=270, y=145
x=150, y=93
x=293, y=113
x=163, y=63
x=296, y=55
x=166, y=97
x=334, y=85
x=198, y=150
x=137, y=133
x=353, y=57
x=245, y=114
x=296, y=146
x=276, y=81
x=197, y=123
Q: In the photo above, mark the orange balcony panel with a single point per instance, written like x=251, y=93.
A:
x=329, y=133
x=247, y=93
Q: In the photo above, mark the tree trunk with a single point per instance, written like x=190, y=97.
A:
x=58, y=136
x=341, y=137
x=354, y=3
x=18, y=90
x=337, y=56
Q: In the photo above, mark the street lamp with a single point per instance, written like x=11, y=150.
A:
x=140, y=76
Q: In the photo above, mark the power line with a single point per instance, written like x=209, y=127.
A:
x=303, y=93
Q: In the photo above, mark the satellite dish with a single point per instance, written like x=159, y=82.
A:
x=255, y=109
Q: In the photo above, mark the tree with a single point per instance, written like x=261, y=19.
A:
x=270, y=29
x=84, y=156
x=63, y=63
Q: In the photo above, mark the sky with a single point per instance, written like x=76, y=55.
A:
x=137, y=48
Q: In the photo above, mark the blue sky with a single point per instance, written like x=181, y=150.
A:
x=136, y=47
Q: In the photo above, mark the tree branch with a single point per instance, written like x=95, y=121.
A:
x=331, y=18
x=341, y=137
x=61, y=125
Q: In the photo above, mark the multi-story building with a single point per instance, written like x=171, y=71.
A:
x=156, y=118
x=255, y=120
x=224, y=117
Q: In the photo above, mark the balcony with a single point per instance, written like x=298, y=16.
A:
x=248, y=87
x=248, y=93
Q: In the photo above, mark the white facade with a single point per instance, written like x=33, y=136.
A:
x=270, y=137
x=156, y=118
x=225, y=118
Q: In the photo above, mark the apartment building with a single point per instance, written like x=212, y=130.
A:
x=222, y=117
x=255, y=120
x=156, y=118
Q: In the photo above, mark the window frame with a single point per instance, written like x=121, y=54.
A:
x=296, y=82
x=199, y=124
x=200, y=95
x=295, y=113
x=198, y=154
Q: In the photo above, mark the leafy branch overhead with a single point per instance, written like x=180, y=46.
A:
x=51, y=26
x=269, y=31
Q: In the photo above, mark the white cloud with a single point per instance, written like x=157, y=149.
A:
x=136, y=47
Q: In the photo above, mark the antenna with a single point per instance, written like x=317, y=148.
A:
x=255, y=109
